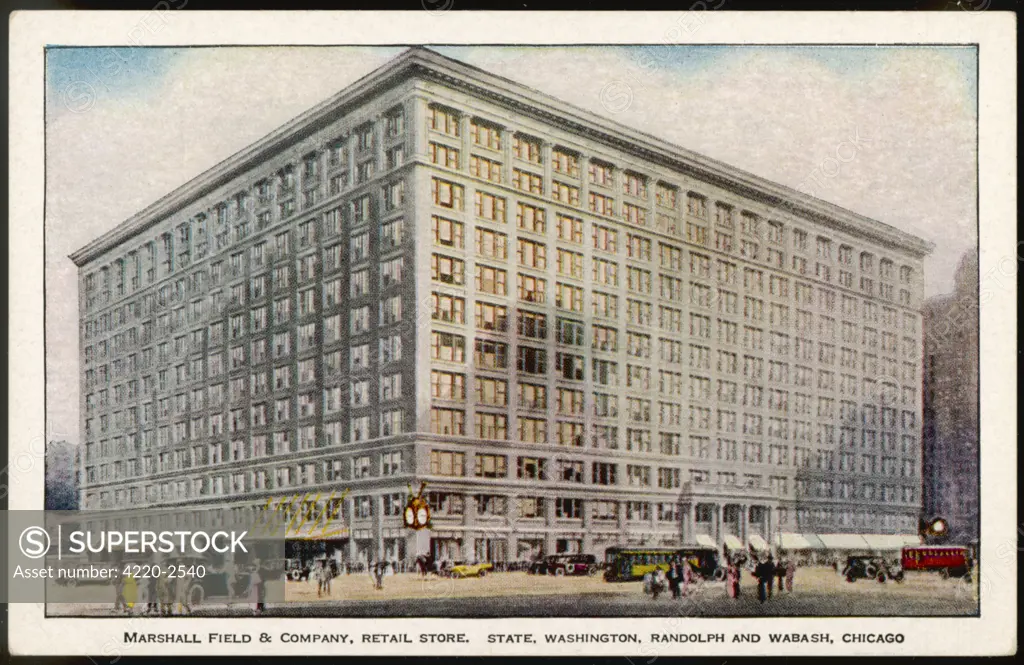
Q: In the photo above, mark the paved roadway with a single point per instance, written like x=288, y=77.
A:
x=817, y=592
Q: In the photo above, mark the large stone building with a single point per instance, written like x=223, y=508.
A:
x=577, y=334
x=951, y=454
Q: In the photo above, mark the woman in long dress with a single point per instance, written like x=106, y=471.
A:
x=165, y=590
x=732, y=580
x=687, y=576
x=256, y=588
x=181, y=591
x=790, y=573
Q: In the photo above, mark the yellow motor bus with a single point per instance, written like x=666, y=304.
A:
x=625, y=564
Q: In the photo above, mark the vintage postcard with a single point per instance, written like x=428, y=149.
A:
x=683, y=333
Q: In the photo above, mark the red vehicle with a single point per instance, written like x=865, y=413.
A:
x=950, y=561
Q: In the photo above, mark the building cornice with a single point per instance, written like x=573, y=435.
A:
x=421, y=63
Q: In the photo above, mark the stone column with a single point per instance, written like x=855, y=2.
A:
x=349, y=510
x=549, y=522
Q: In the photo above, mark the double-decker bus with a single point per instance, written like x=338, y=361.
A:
x=948, y=560
x=625, y=564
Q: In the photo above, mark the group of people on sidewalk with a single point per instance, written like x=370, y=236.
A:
x=767, y=571
x=677, y=580
x=680, y=575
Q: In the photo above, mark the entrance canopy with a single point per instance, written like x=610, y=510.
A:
x=759, y=543
x=705, y=540
x=888, y=542
x=733, y=543
x=798, y=542
x=843, y=541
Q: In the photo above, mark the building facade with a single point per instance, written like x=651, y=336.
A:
x=950, y=437
x=576, y=334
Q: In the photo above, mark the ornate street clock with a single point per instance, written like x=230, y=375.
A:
x=417, y=512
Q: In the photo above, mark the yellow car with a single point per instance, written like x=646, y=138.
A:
x=471, y=569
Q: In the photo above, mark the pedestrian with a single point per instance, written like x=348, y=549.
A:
x=657, y=582
x=765, y=574
x=328, y=576
x=181, y=591
x=732, y=580
x=377, y=573
x=687, y=576
x=120, y=604
x=152, y=596
x=256, y=589
x=230, y=572
x=790, y=573
x=165, y=591
x=675, y=577
x=780, y=573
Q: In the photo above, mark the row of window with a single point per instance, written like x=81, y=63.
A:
x=250, y=210
x=603, y=174
x=189, y=299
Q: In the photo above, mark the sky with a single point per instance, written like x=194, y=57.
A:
x=888, y=132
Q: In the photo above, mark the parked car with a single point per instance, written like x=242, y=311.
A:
x=462, y=569
x=296, y=570
x=571, y=564
x=871, y=567
x=539, y=566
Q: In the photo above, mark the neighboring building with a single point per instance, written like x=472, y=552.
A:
x=951, y=454
x=61, y=477
x=577, y=334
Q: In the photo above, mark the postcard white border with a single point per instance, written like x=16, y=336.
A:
x=994, y=633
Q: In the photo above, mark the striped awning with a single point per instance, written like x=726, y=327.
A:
x=732, y=542
x=758, y=543
x=705, y=540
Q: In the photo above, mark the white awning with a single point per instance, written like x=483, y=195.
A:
x=793, y=541
x=759, y=543
x=733, y=543
x=885, y=542
x=705, y=540
x=911, y=539
x=843, y=541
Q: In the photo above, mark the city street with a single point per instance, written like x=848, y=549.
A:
x=817, y=592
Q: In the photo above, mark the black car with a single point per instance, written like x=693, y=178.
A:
x=538, y=566
x=565, y=564
x=297, y=570
x=870, y=567
x=572, y=564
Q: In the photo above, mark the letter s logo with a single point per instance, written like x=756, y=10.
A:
x=34, y=542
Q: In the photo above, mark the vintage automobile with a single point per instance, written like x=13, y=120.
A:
x=624, y=564
x=571, y=564
x=296, y=570
x=564, y=564
x=462, y=569
x=539, y=566
x=871, y=567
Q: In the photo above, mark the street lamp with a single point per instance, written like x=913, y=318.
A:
x=937, y=527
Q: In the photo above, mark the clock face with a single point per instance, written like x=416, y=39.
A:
x=421, y=516
x=410, y=516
